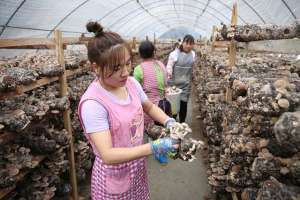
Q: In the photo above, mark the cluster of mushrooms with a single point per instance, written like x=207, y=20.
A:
x=255, y=32
x=34, y=120
x=181, y=132
x=251, y=122
x=29, y=68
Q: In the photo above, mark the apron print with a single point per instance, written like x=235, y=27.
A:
x=135, y=131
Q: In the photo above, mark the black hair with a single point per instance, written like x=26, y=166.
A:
x=146, y=49
x=106, y=49
x=188, y=39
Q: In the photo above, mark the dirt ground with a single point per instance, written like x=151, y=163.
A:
x=180, y=180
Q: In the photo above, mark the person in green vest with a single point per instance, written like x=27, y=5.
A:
x=151, y=74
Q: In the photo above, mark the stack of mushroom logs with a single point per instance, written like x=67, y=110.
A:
x=35, y=118
x=255, y=32
x=253, y=137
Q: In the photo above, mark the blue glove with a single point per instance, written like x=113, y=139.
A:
x=163, y=147
x=169, y=122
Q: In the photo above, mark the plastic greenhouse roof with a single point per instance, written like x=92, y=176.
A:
x=137, y=18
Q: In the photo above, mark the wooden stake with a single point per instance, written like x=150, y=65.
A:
x=232, y=47
x=213, y=38
x=234, y=14
x=66, y=115
x=133, y=43
x=232, y=53
x=234, y=196
x=228, y=95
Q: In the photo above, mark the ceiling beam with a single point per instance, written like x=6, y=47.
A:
x=230, y=8
x=175, y=8
x=257, y=14
x=158, y=6
x=39, y=29
x=160, y=31
x=203, y=11
x=149, y=13
x=142, y=22
x=66, y=16
x=187, y=5
x=12, y=16
x=170, y=20
x=288, y=7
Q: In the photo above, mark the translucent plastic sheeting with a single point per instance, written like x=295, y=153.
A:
x=179, y=32
x=7, y=9
x=137, y=18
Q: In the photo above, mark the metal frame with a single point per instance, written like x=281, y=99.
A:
x=115, y=9
x=129, y=1
x=12, y=16
x=203, y=11
x=230, y=9
x=288, y=7
x=175, y=8
x=170, y=19
x=251, y=8
x=149, y=13
x=157, y=6
x=38, y=29
x=171, y=12
x=65, y=17
x=158, y=29
x=175, y=25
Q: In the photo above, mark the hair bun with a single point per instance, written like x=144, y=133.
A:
x=94, y=27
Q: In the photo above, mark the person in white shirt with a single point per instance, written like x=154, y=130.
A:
x=179, y=69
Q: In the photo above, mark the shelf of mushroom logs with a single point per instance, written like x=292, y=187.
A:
x=30, y=125
x=253, y=131
x=32, y=134
x=263, y=38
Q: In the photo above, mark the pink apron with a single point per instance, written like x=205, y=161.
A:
x=126, y=180
x=150, y=84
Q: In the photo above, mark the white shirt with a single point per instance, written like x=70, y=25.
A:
x=173, y=57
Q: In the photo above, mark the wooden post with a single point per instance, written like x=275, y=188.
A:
x=234, y=14
x=66, y=115
x=232, y=51
x=234, y=196
x=228, y=95
x=232, y=46
x=133, y=43
x=213, y=38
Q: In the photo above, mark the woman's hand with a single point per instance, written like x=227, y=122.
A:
x=170, y=121
x=162, y=147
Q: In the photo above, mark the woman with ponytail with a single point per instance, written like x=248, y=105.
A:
x=111, y=114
